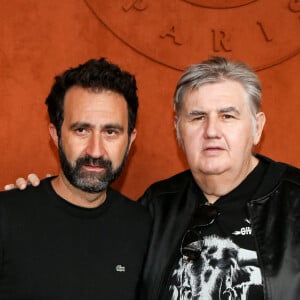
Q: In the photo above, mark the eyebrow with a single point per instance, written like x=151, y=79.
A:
x=114, y=126
x=230, y=109
x=79, y=124
x=196, y=113
x=88, y=125
x=221, y=110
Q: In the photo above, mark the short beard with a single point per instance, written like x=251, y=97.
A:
x=90, y=181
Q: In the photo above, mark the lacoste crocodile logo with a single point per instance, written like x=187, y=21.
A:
x=120, y=268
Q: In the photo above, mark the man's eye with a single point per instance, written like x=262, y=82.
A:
x=80, y=130
x=111, y=131
x=227, y=116
x=199, y=118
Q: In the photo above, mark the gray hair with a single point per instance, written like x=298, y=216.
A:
x=217, y=69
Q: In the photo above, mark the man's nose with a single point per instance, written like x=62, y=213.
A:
x=212, y=128
x=95, y=147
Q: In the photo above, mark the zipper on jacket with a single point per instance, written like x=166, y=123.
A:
x=250, y=205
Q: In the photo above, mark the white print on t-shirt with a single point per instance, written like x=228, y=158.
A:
x=120, y=268
x=244, y=230
x=224, y=271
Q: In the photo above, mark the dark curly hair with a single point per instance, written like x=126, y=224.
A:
x=97, y=75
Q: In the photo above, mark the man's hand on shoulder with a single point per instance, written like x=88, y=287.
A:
x=22, y=183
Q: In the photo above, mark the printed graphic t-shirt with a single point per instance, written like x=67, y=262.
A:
x=228, y=266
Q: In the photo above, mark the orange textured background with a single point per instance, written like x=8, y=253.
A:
x=39, y=39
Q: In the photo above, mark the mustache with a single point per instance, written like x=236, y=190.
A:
x=94, y=161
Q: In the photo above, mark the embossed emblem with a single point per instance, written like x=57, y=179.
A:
x=176, y=33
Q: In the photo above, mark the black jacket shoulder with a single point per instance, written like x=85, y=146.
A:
x=170, y=185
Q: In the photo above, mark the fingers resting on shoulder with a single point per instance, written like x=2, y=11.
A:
x=21, y=183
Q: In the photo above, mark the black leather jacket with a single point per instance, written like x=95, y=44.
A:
x=275, y=219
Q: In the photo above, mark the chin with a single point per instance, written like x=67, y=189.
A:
x=213, y=169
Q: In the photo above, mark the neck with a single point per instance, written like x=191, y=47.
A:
x=76, y=196
x=216, y=186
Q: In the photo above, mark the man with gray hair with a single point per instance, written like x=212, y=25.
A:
x=227, y=228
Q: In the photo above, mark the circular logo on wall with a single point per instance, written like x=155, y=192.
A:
x=177, y=33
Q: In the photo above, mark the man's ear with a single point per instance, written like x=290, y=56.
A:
x=132, y=137
x=260, y=123
x=53, y=133
x=178, y=135
x=175, y=121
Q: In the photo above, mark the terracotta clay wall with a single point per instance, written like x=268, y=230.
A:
x=155, y=40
